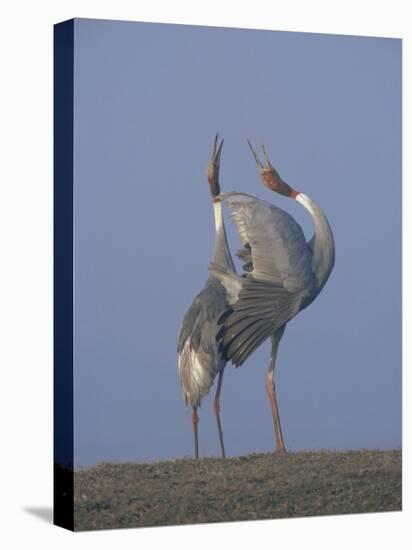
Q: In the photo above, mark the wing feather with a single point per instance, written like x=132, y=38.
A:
x=278, y=248
x=248, y=347
x=261, y=309
x=280, y=276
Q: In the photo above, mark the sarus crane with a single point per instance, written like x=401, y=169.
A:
x=283, y=274
x=199, y=360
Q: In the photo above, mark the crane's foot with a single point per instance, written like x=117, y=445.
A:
x=281, y=451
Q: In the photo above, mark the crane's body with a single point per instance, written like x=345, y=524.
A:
x=199, y=359
x=283, y=274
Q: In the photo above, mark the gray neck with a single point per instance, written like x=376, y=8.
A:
x=322, y=243
x=222, y=255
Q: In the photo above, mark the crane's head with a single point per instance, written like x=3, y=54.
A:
x=270, y=177
x=212, y=169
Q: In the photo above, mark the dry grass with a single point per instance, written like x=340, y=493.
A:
x=257, y=486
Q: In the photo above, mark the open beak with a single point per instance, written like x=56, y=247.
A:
x=259, y=164
x=269, y=175
x=212, y=169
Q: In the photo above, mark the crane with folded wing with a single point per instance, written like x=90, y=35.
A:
x=199, y=359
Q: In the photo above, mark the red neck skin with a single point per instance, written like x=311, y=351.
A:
x=274, y=182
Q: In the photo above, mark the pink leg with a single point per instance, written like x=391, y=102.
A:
x=195, y=422
x=271, y=391
x=216, y=408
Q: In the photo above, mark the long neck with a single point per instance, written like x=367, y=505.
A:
x=322, y=244
x=222, y=255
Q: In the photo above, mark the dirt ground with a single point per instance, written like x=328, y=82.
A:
x=251, y=487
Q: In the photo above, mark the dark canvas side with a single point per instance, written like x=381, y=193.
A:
x=63, y=274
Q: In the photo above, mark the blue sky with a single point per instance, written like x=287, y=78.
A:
x=148, y=101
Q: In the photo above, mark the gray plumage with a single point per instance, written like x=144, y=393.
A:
x=199, y=359
x=285, y=273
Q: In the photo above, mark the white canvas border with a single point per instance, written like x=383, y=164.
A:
x=26, y=229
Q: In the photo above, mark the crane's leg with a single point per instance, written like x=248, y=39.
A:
x=216, y=409
x=271, y=391
x=195, y=422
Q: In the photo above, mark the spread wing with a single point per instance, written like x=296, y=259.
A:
x=273, y=241
x=279, y=276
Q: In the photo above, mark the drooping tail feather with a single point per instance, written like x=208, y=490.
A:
x=196, y=374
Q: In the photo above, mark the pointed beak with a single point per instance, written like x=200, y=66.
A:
x=268, y=163
x=219, y=151
x=212, y=169
x=258, y=163
x=269, y=175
